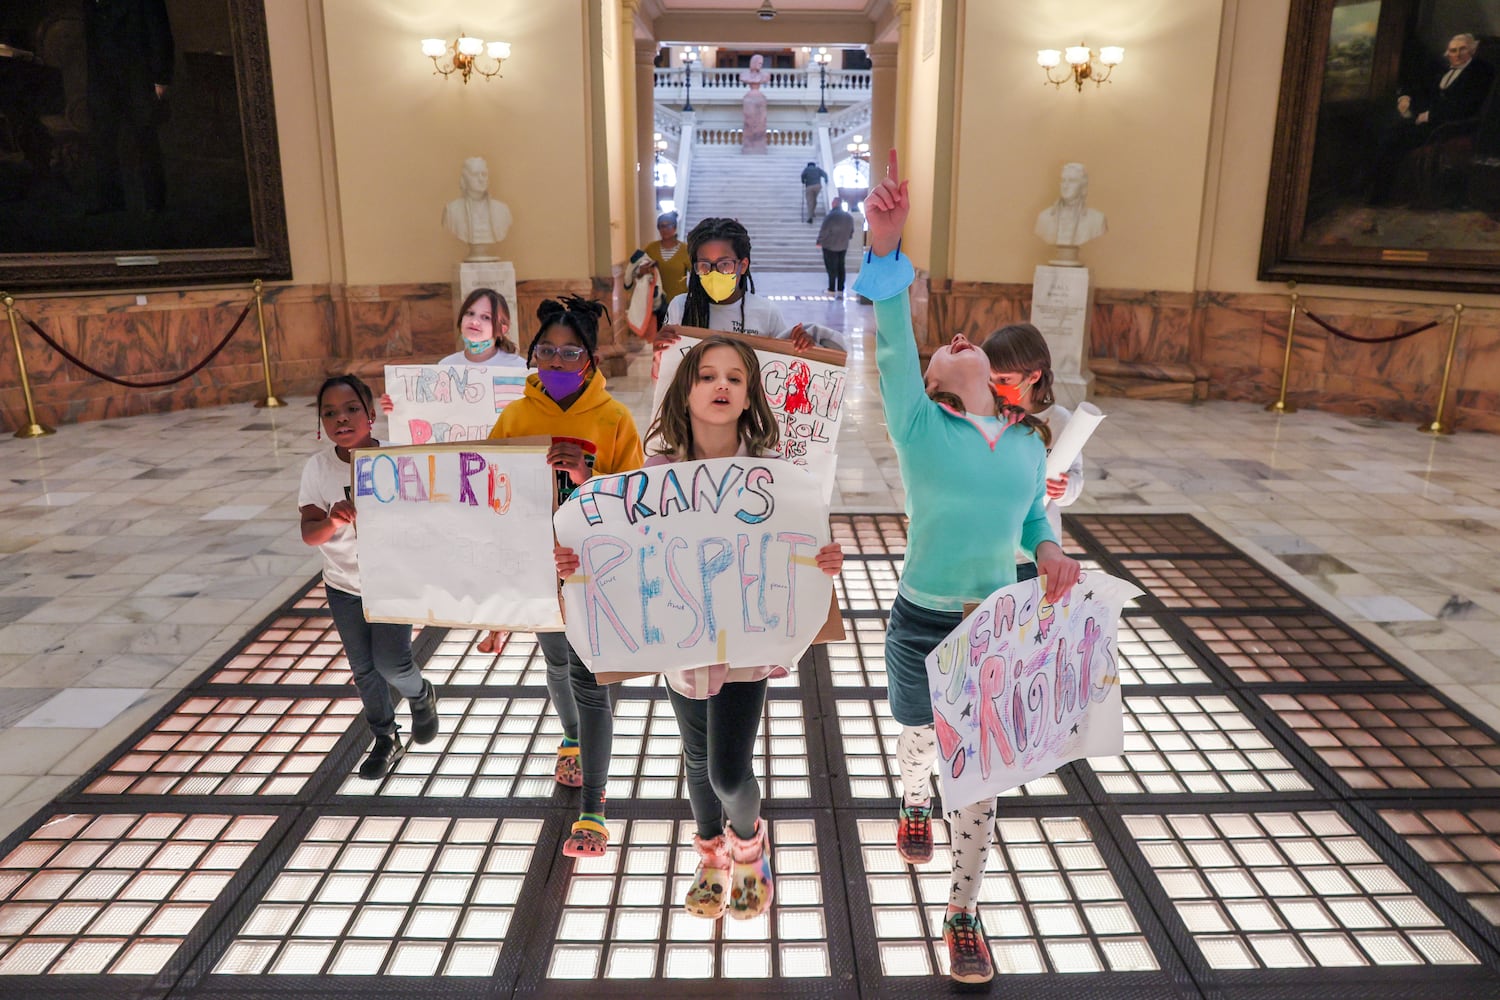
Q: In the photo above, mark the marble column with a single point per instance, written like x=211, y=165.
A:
x=645, y=147
x=882, y=105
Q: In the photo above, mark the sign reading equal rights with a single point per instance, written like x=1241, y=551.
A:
x=457, y=535
x=696, y=563
x=806, y=393
x=1022, y=687
x=442, y=403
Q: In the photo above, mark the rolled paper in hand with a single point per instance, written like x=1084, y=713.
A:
x=1070, y=442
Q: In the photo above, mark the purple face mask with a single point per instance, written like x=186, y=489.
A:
x=560, y=385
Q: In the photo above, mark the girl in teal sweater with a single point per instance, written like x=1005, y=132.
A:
x=961, y=451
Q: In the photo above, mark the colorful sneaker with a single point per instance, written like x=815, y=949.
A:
x=707, y=895
x=589, y=838
x=569, y=771
x=914, y=834
x=968, y=951
x=751, y=883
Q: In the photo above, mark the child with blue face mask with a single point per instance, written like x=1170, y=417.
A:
x=592, y=434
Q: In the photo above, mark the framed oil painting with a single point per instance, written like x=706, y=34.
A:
x=137, y=145
x=1386, y=163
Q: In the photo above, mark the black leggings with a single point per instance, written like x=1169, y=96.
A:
x=583, y=706
x=718, y=746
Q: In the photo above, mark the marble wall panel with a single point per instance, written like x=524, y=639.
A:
x=1231, y=336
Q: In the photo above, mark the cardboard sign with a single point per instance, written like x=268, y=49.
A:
x=695, y=563
x=457, y=535
x=436, y=404
x=1022, y=687
x=806, y=393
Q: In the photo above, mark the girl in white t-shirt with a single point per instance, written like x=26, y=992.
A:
x=1021, y=374
x=379, y=654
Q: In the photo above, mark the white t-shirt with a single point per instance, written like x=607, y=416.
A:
x=500, y=360
x=1057, y=417
x=325, y=481
x=761, y=317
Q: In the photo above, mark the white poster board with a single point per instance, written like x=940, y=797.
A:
x=695, y=563
x=457, y=535
x=1022, y=687
x=806, y=393
x=436, y=404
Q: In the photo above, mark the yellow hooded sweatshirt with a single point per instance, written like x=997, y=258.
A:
x=595, y=416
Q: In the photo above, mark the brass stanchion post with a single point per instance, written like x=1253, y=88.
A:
x=265, y=352
x=1281, y=405
x=32, y=429
x=1437, y=426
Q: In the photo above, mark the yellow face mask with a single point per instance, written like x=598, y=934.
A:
x=719, y=286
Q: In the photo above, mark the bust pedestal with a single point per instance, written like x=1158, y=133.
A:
x=1062, y=302
x=494, y=273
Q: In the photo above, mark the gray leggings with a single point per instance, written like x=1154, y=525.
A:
x=379, y=657
x=718, y=747
x=583, y=705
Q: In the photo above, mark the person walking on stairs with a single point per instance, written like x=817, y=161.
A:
x=812, y=186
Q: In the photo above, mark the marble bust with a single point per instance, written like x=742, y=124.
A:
x=753, y=107
x=476, y=218
x=1068, y=223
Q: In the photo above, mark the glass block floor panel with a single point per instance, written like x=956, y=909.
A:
x=1292, y=649
x=1461, y=845
x=869, y=534
x=868, y=584
x=389, y=895
x=457, y=663
x=1049, y=903
x=1131, y=534
x=231, y=746
x=117, y=892
x=623, y=919
x=295, y=649
x=1396, y=740
x=1194, y=745
x=868, y=735
x=858, y=660
x=1289, y=890
x=1149, y=655
x=494, y=748
x=1211, y=583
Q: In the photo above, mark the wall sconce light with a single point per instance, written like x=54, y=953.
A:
x=1080, y=60
x=465, y=55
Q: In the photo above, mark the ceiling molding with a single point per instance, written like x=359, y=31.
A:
x=790, y=28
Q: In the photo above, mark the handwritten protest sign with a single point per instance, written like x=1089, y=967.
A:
x=436, y=404
x=1022, y=687
x=696, y=563
x=457, y=534
x=806, y=393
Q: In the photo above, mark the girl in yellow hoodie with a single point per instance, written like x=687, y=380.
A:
x=592, y=434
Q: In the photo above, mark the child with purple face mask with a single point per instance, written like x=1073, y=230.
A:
x=592, y=433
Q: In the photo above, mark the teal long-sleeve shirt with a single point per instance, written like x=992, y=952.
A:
x=973, y=496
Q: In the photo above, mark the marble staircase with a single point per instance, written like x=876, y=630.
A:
x=764, y=193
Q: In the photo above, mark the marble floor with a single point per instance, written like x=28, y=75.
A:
x=135, y=553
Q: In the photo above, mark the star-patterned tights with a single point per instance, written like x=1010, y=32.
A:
x=916, y=749
x=970, y=829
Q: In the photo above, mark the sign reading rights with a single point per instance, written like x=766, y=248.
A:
x=457, y=535
x=695, y=563
x=806, y=393
x=442, y=403
x=1022, y=687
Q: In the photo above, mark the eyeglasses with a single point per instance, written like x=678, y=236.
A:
x=726, y=265
x=569, y=353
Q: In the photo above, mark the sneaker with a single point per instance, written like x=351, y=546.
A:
x=914, y=834
x=569, y=771
x=968, y=952
x=708, y=894
x=424, y=715
x=383, y=756
x=751, y=883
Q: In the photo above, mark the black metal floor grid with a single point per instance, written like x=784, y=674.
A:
x=1295, y=815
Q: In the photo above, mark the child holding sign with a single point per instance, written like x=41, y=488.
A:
x=716, y=407
x=379, y=654
x=1021, y=373
x=960, y=452
x=592, y=434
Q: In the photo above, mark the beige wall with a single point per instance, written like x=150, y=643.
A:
x=1143, y=136
x=615, y=50
x=400, y=134
x=919, y=158
x=306, y=159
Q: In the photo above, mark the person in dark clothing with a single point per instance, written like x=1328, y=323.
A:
x=1451, y=104
x=833, y=238
x=130, y=57
x=812, y=185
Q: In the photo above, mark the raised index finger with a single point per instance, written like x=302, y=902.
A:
x=892, y=170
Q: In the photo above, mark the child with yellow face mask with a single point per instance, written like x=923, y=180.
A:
x=721, y=293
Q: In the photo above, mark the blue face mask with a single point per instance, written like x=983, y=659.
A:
x=478, y=346
x=560, y=385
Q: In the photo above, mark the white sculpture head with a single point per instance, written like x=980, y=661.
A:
x=1074, y=187
x=475, y=180
x=756, y=62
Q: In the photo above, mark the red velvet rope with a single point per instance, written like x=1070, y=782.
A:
x=1367, y=340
